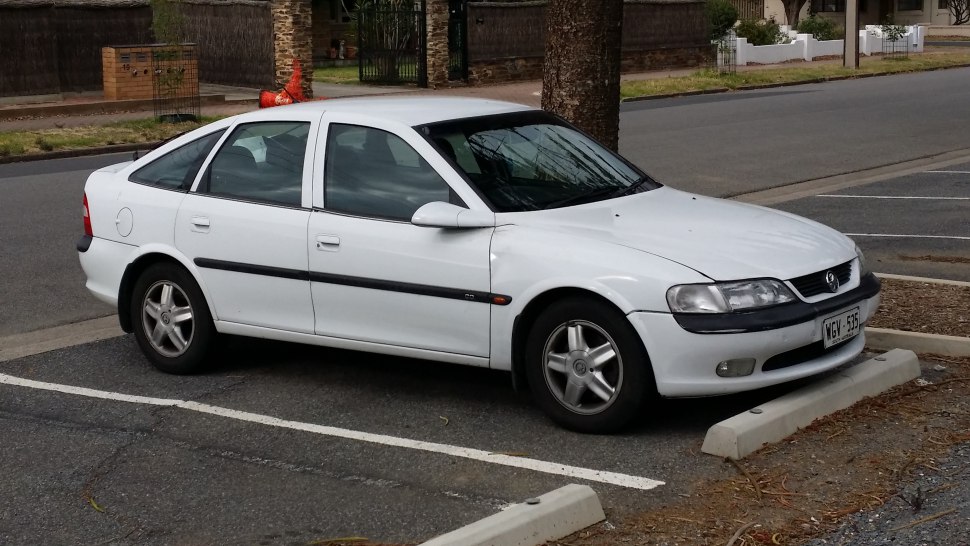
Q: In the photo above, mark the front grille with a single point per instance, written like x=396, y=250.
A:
x=814, y=284
x=800, y=355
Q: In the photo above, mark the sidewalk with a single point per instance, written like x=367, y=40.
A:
x=31, y=115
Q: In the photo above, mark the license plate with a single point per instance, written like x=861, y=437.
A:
x=841, y=327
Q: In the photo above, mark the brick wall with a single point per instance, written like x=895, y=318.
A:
x=128, y=70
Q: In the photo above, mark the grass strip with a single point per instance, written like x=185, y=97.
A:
x=88, y=136
x=337, y=74
x=708, y=80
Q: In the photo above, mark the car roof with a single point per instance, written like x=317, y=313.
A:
x=407, y=110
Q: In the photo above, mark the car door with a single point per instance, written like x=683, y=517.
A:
x=244, y=224
x=377, y=278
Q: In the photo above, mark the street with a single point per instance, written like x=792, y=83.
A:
x=292, y=444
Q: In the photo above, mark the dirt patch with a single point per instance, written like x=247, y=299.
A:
x=805, y=486
x=924, y=307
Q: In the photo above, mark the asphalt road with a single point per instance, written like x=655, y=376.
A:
x=159, y=474
x=732, y=143
x=165, y=475
x=916, y=224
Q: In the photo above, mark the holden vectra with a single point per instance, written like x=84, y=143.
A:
x=473, y=232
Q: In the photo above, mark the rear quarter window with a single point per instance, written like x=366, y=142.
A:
x=177, y=169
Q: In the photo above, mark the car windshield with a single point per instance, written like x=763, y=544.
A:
x=532, y=161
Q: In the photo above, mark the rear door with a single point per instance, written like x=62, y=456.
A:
x=245, y=223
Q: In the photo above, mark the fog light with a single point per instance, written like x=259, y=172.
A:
x=736, y=367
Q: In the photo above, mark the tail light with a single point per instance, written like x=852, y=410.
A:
x=87, y=218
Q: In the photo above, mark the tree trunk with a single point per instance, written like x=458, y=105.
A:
x=792, y=9
x=581, y=71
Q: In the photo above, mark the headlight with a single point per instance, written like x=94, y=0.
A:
x=863, y=267
x=725, y=297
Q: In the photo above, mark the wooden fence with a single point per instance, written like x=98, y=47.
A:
x=498, y=30
x=54, y=46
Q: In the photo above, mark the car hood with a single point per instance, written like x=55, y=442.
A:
x=723, y=240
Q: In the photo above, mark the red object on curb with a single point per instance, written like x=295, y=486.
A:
x=291, y=92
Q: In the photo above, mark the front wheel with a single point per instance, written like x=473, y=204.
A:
x=587, y=367
x=171, y=320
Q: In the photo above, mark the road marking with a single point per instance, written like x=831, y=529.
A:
x=955, y=237
x=948, y=172
x=612, y=478
x=895, y=197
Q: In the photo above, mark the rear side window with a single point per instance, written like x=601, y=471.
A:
x=260, y=162
x=177, y=169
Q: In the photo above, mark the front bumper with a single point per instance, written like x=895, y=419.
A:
x=684, y=362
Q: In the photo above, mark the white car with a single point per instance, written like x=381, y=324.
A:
x=467, y=231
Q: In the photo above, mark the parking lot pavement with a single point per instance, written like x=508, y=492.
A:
x=91, y=469
x=917, y=224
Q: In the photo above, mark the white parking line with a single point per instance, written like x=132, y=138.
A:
x=948, y=172
x=612, y=478
x=956, y=237
x=894, y=197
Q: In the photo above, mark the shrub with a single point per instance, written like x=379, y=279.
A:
x=721, y=16
x=760, y=32
x=821, y=28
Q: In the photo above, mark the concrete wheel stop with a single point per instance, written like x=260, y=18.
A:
x=552, y=516
x=777, y=419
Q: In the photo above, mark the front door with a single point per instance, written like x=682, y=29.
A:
x=377, y=278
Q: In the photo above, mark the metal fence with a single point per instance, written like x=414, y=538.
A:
x=391, y=43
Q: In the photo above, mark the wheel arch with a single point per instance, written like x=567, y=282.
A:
x=527, y=317
x=135, y=269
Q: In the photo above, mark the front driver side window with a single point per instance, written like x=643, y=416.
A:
x=373, y=173
x=260, y=162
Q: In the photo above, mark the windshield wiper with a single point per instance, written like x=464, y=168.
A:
x=581, y=198
x=608, y=193
x=632, y=187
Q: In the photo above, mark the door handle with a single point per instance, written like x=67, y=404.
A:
x=200, y=224
x=328, y=242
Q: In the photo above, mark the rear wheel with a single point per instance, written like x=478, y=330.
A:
x=171, y=320
x=587, y=367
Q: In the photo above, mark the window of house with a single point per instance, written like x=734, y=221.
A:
x=943, y=4
x=373, y=173
x=260, y=162
x=828, y=6
x=177, y=169
x=341, y=11
x=909, y=5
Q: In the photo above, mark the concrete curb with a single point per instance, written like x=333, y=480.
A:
x=908, y=278
x=772, y=421
x=881, y=339
x=59, y=337
x=99, y=107
x=80, y=152
x=558, y=513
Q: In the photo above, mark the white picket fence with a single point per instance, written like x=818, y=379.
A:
x=805, y=47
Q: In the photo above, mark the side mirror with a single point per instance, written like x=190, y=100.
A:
x=445, y=215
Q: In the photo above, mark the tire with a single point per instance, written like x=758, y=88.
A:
x=171, y=319
x=569, y=385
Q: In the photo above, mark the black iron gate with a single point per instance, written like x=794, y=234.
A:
x=391, y=43
x=457, y=39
